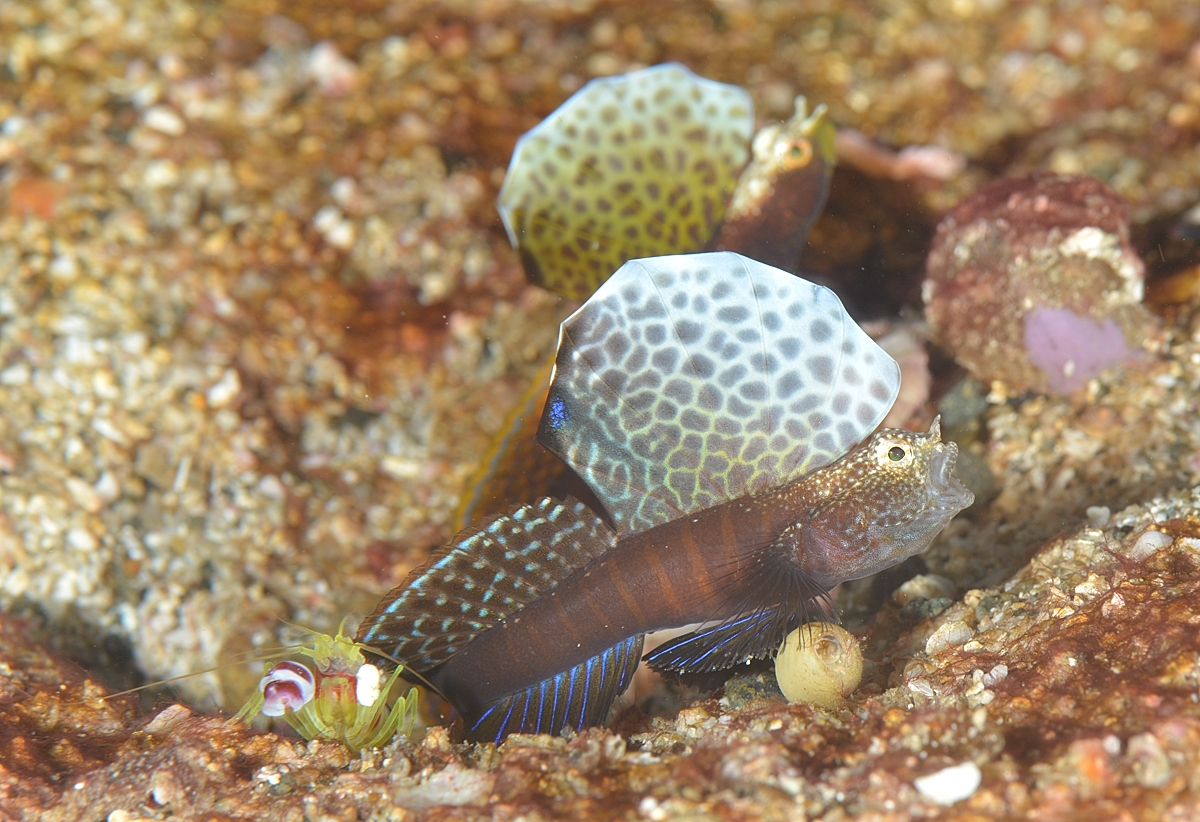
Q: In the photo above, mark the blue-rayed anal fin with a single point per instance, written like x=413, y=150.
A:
x=576, y=698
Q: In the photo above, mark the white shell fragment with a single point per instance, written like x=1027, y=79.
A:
x=1149, y=543
x=368, y=685
x=950, y=785
x=820, y=664
x=690, y=380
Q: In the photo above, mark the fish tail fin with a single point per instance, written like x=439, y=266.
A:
x=576, y=698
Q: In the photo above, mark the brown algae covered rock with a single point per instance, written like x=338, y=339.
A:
x=1086, y=663
x=1033, y=281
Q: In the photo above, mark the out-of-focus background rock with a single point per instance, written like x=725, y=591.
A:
x=258, y=320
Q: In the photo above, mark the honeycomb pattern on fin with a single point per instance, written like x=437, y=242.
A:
x=631, y=166
x=691, y=380
x=487, y=574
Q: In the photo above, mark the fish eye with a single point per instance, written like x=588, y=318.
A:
x=797, y=154
x=895, y=453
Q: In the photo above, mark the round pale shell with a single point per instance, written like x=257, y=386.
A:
x=820, y=664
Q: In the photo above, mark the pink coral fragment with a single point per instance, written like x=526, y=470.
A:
x=1072, y=349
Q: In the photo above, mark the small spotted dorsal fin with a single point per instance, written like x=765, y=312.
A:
x=629, y=166
x=691, y=380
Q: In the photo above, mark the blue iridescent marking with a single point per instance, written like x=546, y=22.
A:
x=554, y=709
x=587, y=679
x=557, y=413
x=570, y=693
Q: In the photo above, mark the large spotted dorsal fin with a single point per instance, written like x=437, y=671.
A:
x=690, y=380
x=629, y=166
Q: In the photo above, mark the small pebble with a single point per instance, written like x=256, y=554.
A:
x=1151, y=765
x=1149, y=543
x=1098, y=515
x=924, y=586
x=949, y=785
x=948, y=635
x=162, y=118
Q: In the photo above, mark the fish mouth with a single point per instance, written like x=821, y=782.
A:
x=948, y=490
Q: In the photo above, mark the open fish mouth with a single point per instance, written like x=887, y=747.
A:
x=947, y=490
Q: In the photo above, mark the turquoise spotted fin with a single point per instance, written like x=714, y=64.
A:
x=629, y=166
x=577, y=698
x=485, y=577
x=688, y=381
x=487, y=574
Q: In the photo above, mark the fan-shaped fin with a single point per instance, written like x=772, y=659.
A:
x=489, y=573
x=575, y=698
x=784, y=597
x=629, y=166
x=691, y=380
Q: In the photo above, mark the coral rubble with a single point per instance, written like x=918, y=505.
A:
x=1033, y=281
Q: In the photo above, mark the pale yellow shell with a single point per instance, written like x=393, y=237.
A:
x=820, y=664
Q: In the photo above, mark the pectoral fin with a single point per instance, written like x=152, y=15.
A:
x=789, y=599
x=716, y=648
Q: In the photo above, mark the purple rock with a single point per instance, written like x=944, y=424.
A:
x=1071, y=349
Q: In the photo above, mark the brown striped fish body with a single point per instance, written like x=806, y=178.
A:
x=711, y=404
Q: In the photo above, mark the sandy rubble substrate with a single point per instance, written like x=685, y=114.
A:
x=258, y=321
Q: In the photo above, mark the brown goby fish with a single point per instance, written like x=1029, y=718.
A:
x=712, y=404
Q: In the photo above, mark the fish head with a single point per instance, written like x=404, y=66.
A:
x=879, y=505
x=781, y=192
x=782, y=147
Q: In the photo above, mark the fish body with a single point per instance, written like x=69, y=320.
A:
x=712, y=404
x=770, y=555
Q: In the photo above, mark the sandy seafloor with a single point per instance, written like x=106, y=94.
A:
x=259, y=320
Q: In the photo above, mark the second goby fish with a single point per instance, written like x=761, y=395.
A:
x=644, y=164
x=711, y=403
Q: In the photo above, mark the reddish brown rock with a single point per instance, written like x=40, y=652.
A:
x=1066, y=692
x=1033, y=281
